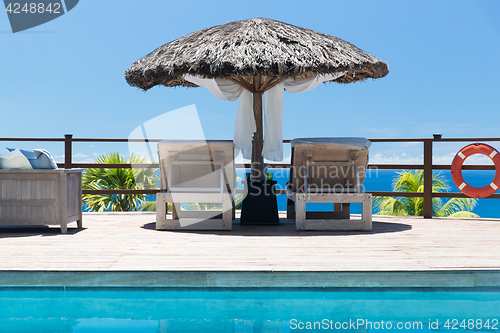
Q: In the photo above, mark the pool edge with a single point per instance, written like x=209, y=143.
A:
x=253, y=279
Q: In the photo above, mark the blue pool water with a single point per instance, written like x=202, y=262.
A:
x=249, y=311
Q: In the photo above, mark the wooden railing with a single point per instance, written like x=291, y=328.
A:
x=427, y=166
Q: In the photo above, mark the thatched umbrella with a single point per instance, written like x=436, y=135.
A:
x=256, y=54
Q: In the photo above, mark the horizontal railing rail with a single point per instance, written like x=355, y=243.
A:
x=427, y=166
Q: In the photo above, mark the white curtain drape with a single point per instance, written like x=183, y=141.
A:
x=273, y=123
x=224, y=89
x=273, y=110
x=244, y=126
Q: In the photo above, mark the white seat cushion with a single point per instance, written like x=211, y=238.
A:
x=38, y=158
x=14, y=160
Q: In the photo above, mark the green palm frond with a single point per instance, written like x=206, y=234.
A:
x=463, y=214
x=439, y=183
x=408, y=182
x=391, y=206
x=413, y=181
x=150, y=206
x=202, y=206
x=238, y=201
x=114, y=179
x=457, y=205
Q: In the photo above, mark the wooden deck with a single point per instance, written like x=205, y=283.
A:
x=128, y=242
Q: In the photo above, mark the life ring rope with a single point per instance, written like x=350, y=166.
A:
x=456, y=170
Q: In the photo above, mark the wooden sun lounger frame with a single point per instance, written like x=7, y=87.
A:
x=221, y=159
x=302, y=193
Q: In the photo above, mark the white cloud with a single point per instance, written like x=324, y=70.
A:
x=395, y=159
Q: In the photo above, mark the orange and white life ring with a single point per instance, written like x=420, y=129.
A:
x=456, y=170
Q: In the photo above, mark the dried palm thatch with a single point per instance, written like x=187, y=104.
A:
x=243, y=49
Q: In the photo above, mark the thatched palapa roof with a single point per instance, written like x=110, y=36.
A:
x=251, y=47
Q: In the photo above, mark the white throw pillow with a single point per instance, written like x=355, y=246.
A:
x=14, y=160
x=38, y=158
x=44, y=159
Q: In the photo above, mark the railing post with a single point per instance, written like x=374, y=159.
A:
x=428, y=178
x=68, y=151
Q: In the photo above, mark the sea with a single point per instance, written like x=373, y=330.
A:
x=382, y=180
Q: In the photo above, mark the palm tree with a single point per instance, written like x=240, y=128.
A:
x=112, y=179
x=413, y=181
x=212, y=206
x=238, y=199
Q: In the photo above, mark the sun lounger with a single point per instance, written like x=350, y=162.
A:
x=196, y=172
x=329, y=170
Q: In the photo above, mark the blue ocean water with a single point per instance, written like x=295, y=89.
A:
x=249, y=311
x=381, y=180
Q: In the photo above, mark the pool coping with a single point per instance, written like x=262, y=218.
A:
x=252, y=279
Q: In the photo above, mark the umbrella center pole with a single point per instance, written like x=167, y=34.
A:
x=258, y=137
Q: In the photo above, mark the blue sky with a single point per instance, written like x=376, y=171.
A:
x=66, y=76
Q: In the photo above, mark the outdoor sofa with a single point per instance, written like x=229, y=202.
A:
x=33, y=192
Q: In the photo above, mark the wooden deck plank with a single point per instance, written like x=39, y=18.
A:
x=129, y=242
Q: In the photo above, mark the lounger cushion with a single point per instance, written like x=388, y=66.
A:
x=14, y=160
x=329, y=150
x=38, y=158
x=348, y=141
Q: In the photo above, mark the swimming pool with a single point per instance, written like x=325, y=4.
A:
x=250, y=310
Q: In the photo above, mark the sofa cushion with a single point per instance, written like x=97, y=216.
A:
x=14, y=160
x=38, y=158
